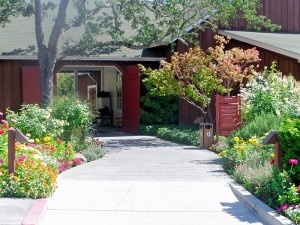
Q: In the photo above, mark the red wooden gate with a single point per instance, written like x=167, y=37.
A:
x=131, y=99
x=228, y=115
x=31, y=84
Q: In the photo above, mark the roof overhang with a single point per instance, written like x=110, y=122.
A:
x=287, y=44
x=91, y=58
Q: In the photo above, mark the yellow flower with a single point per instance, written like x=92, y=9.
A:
x=242, y=147
x=252, y=141
x=37, y=141
x=260, y=145
x=236, y=147
x=272, y=155
x=16, y=178
x=236, y=139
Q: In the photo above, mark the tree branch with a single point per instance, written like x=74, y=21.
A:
x=39, y=32
x=59, y=24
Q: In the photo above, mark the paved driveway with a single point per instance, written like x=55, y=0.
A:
x=147, y=181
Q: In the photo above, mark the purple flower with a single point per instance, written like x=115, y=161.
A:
x=293, y=206
x=293, y=161
x=283, y=207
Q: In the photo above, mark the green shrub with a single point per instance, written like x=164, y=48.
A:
x=93, y=151
x=148, y=129
x=261, y=125
x=78, y=116
x=257, y=178
x=188, y=135
x=180, y=135
x=36, y=122
x=289, y=136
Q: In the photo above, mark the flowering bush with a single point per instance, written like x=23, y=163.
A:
x=243, y=151
x=36, y=122
x=270, y=92
x=37, y=166
x=289, y=134
x=78, y=116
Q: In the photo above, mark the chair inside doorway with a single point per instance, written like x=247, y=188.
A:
x=106, y=117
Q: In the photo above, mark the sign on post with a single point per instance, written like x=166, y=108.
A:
x=228, y=114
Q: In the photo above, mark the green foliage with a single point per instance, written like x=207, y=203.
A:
x=258, y=178
x=243, y=151
x=181, y=136
x=93, y=151
x=188, y=135
x=289, y=136
x=65, y=84
x=36, y=122
x=78, y=116
x=162, y=21
x=13, y=8
x=261, y=125
x=187, y=76
x=158, y=109
x=270, y=92
x=148, y=129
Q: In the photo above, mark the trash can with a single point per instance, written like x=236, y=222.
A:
x=206, y=135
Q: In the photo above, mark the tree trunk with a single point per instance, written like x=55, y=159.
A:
x=47, y=63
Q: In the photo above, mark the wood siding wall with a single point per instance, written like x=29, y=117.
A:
x=282, y=12
x=11, y=83
x=84, y=81
x=285, y=64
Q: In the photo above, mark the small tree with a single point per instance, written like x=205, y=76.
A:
x=187, y=76
x=234, y=66
x=195, y=75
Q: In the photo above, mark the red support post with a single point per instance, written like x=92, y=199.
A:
x=11, y=151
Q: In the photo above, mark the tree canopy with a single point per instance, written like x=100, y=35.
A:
x=12, y=8
x=195, y=75
x=136, y=24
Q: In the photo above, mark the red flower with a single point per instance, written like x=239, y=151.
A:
x=59, y=141
x=53, y=148
x=69, y=146
x=293, y=161
x=1, y=132
x=5, y=126
x=76, y=161
x=66, y=152
x=272, y=161
x=299, y=188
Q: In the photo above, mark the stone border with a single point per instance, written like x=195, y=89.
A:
x=264, y=212
x=36, y=213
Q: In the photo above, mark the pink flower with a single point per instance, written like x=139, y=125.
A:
x=4, y=122
x=1, y=161
x=293, y=161
x=61, y=169
x=66, y=152
x=1, y=132
x=76, y=161
x=1, y=113
x=283, y=207
x=23, y=158
x=13, y=120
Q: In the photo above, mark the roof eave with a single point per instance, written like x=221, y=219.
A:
x=260, y=44
x=91, y=58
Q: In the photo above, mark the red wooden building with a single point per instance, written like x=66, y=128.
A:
x=19, y=77
x=282, y=46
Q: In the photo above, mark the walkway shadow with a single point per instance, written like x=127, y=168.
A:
x=142, y=143
x=241, y=212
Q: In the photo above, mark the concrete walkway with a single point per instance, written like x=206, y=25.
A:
x=147, y=181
